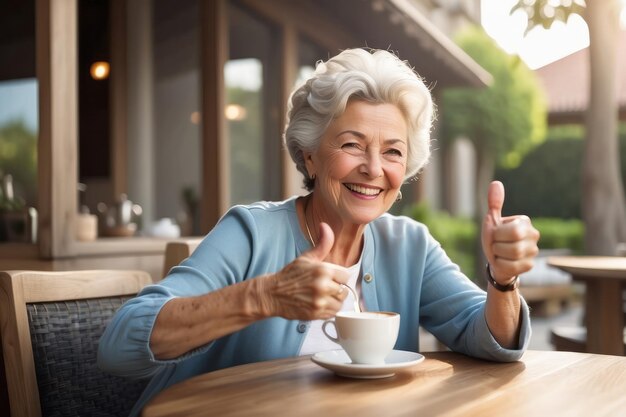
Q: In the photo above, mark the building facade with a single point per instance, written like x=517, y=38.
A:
x=188, y=122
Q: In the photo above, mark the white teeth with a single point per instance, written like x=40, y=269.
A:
x=363, y=190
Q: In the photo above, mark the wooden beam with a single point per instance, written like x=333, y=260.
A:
x=313, y=21
x=57, y=56
x=117, y=98
x=215, y=152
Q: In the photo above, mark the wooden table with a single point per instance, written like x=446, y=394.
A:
x=445, y=384
x=604, y=277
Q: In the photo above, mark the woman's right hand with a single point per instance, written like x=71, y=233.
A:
x=308, y=288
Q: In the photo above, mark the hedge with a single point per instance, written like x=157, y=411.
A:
x=560, y=233
x=548, y=181
x=458, y=236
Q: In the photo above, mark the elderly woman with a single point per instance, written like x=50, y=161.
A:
x=262, y=280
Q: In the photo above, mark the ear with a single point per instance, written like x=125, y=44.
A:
x=308, y=162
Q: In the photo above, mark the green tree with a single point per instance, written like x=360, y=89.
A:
x=602, y=199
x=18, y=157
x=503, y=121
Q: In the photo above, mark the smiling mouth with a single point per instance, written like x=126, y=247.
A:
x=363, y=190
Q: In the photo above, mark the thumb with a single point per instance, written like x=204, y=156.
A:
x=324, y=244
x=495, y=201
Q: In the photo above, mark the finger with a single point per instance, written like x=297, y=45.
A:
x=515, y=230
x=338, y=273
x=520, y=217
x=508, y=268
x=334, y=289
x=515, y=251
x=325, y=307
x=324, y=244
x=328, y=312
x=495, y=201
x=340, y=293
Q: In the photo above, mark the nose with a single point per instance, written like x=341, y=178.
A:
x=372, y=165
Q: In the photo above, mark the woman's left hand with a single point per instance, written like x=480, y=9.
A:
x=509, y=243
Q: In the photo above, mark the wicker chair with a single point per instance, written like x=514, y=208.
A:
x=51, y=323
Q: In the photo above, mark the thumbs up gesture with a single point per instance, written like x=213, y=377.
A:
x=509, y=243
x=308, y=288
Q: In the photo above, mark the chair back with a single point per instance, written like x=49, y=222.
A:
x=51, y=323
x=177, y=251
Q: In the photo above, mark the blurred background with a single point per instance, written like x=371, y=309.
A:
x=128, y=123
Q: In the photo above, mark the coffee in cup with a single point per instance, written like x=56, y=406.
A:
x=367, y=337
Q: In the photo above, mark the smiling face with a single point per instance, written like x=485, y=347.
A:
x=361, y=162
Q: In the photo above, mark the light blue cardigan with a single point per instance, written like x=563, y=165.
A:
x=410, y=274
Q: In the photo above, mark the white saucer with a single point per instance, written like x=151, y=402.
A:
x=339, y=362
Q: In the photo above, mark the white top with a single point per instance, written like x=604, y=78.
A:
x=315, y=340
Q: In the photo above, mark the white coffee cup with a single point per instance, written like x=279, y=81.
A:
x=367, y=337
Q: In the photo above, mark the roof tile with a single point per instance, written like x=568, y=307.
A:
x=566, y=81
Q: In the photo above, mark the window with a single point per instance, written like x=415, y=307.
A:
x=252, y=108
x=94, y=59
x=309, y=53
x=18, y=137
x=176, y=167
x=18, y=124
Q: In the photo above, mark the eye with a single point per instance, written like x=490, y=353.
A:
x=353, y=148
x=394, y=152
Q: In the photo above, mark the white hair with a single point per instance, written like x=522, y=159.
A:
x=376, y=77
